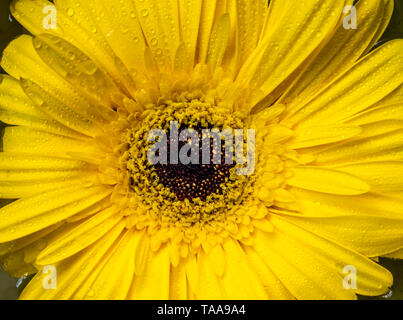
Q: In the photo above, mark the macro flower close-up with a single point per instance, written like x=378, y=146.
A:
x=201, y=149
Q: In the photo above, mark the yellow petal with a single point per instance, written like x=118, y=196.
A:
x=366, y=83
x=73, y=240
x=392, y=98
x=21, y=60
x=23, y=242
x=70, y=27
x=387, y=14
x=74, y=275
x=324, y=205
x=263, y=224
x=168, y=15
x=38, y=179
x=26, y=216
x=178, y=283
x=218, y=41
x=15, y=162
x=369, y=235
x=320, y=135
x=208, y=286
x=327, y=181
x=395, y=255
x=116, y=276
x=154, y=282
x=56, y=109
x=91, y=35
x=217, y=260
x=371, y=279
x=141, y=253
x=119, y=25
x=30, y=15
x=293, y=32
x=239, y=280
x=163, y=39
x=250, y=19
x=17, y=109
x=394, y=111
x=383, y=175
x=380, y=127
x=25, y=140
x=181, y=61
x=293, y=264
x=343, y=49
x=190, y=13
x=208, y=13
x=75, y=67
x=381, y=147
x=274, y=287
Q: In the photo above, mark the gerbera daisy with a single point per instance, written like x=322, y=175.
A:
x=83, y=92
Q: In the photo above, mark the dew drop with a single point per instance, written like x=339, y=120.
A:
x=89, y=68
x=154, y=41
x=37, y=44
x=71, y=55
x=70, y=12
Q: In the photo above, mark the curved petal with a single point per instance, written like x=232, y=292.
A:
x=366, y=83
x=304, y=275
x=21, y=60
x=17, y=109
x=343, y=49
x=28, y=215
x=70, y=241
x=239, y=279
x=370, y=235
x=26, y=140
x=294, y=30
x=371, y=279
x=115, y=278
x=154, y=282
x=117, y=23
x=327, y=181
x=70, y=27
x=74, y=274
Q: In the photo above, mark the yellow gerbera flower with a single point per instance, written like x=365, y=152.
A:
x=83, y=93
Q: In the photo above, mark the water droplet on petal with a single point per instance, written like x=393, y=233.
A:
x=70, y=12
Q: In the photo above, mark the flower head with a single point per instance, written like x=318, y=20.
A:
x=308, y=185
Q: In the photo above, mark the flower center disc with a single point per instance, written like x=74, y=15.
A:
x=189, y=181
x=192, y=191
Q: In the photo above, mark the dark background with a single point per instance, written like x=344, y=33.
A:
x=9, y=29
